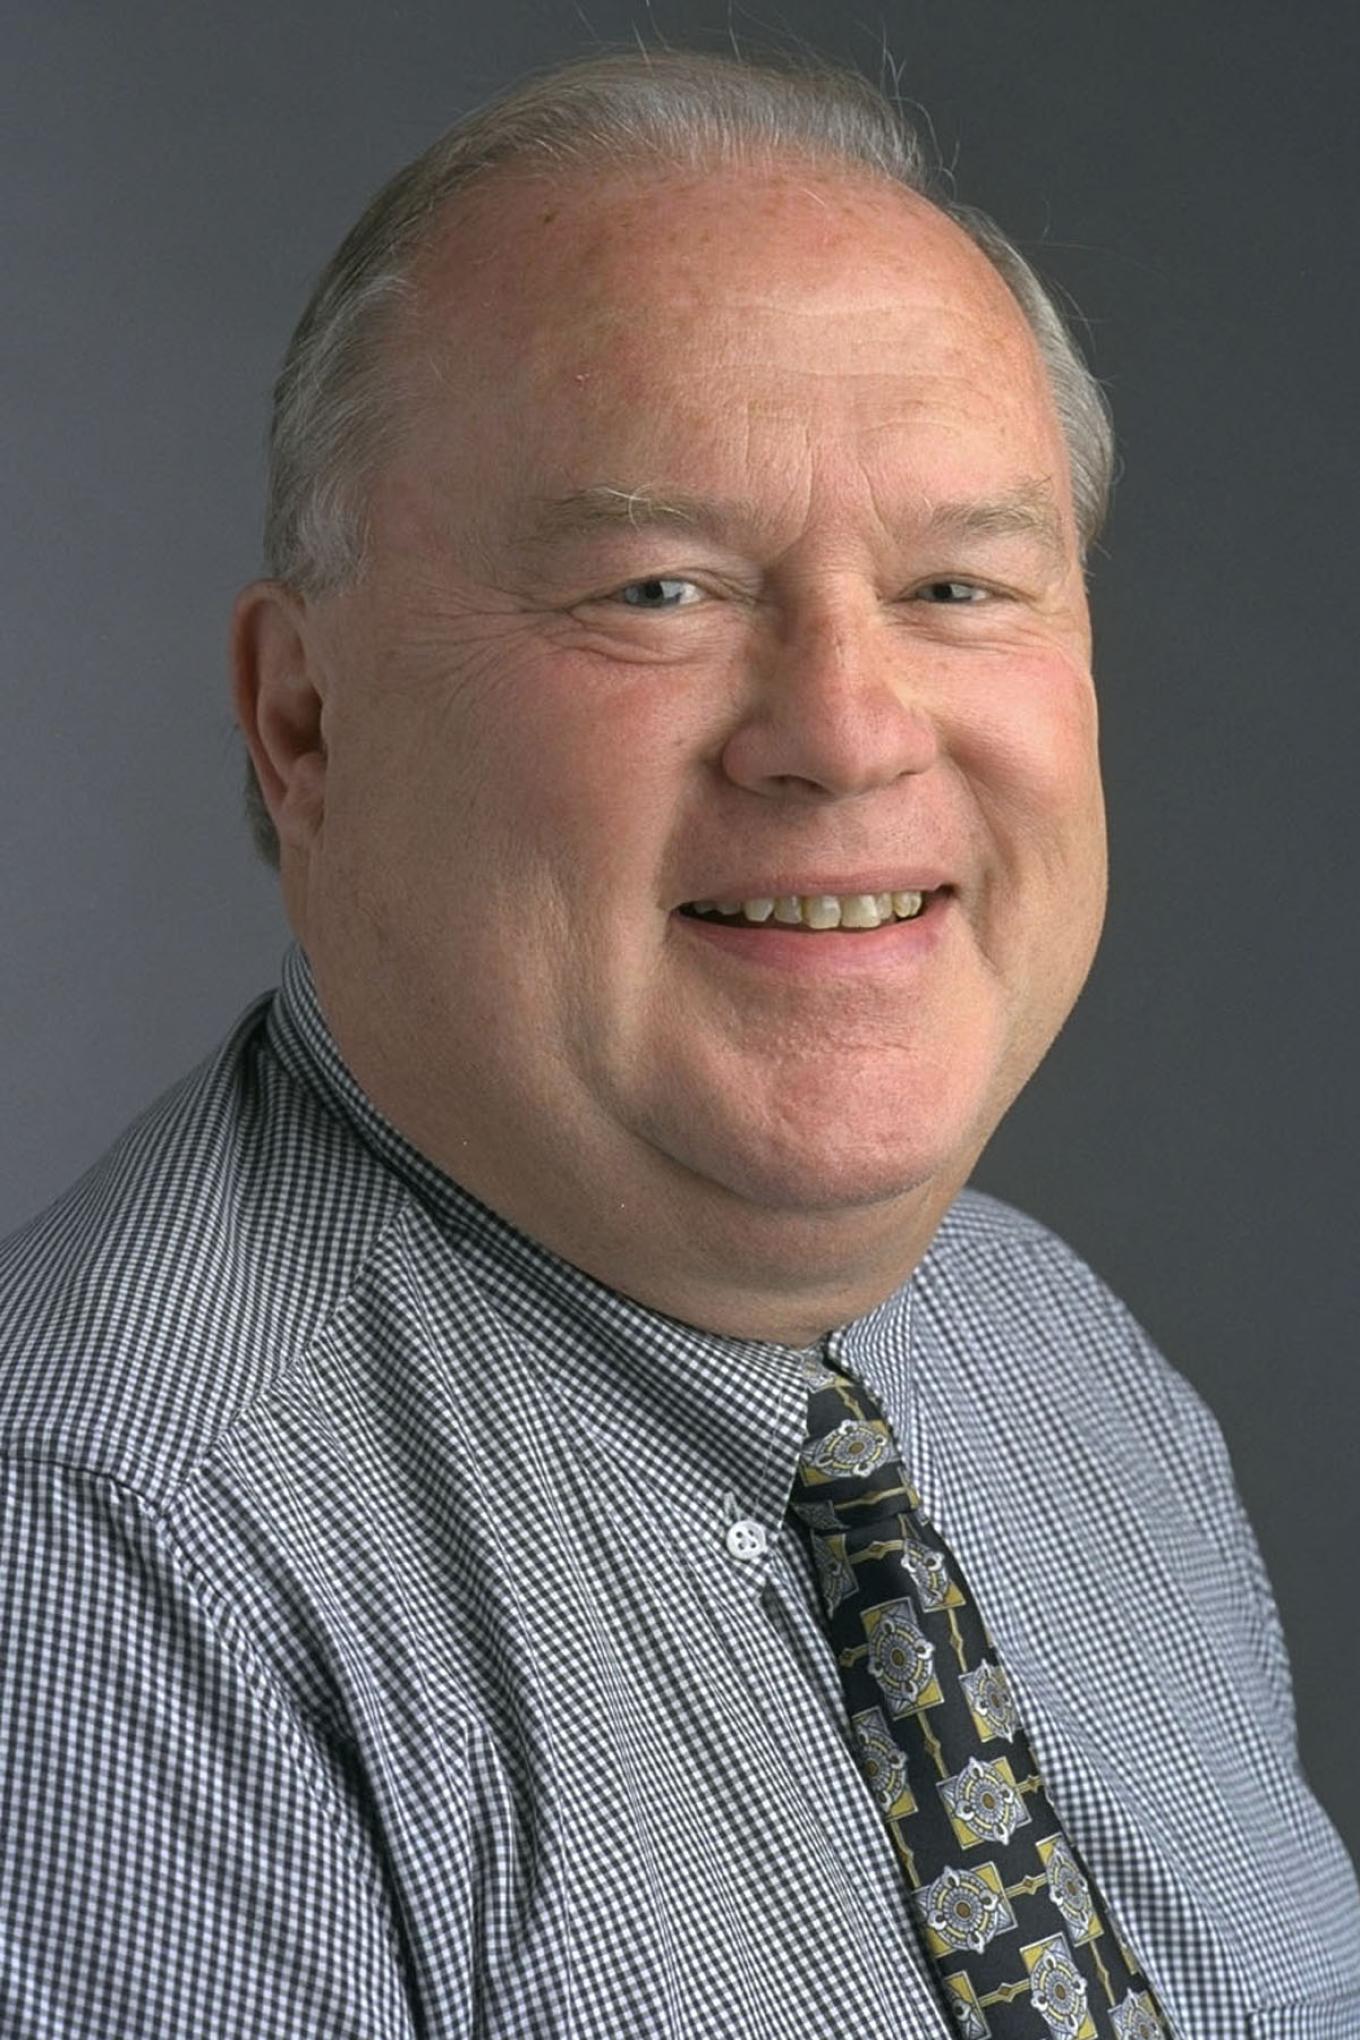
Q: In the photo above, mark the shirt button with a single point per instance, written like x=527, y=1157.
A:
x=746, y=1540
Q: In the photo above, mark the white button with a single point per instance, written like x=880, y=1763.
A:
x=746, y=1540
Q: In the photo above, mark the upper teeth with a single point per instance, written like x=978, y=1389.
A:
x=823, y=910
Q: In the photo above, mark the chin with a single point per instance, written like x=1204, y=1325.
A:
x=827, y=1168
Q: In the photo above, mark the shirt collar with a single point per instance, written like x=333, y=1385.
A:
x=715, y=1421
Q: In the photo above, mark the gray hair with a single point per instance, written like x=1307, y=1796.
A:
x=337, y=400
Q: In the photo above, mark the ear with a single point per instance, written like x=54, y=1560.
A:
x=278, y=693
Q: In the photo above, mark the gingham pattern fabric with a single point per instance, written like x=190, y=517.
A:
x=1013, y=1925
x=401, y=1638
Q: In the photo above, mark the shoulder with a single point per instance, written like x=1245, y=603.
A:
x=1002, y=1258
x=994, y=1258
x=147, y=1309
x=1034, y=1312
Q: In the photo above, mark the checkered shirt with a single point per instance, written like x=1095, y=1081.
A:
x=400, y=1636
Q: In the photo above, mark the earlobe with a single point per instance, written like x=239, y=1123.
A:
x=278, y=696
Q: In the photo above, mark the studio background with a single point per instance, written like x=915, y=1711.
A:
x=174, y=177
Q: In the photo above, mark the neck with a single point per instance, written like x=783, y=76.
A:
x=695, y=1250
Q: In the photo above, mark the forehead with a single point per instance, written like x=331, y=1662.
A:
x=669, y=320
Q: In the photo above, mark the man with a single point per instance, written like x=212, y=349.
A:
x=537, y=1502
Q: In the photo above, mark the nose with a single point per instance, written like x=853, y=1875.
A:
x=836, y=708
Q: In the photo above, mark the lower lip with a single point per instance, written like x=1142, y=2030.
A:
x=829, y=952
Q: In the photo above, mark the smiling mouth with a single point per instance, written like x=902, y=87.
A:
x=813, y=913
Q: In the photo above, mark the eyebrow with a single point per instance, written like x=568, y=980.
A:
x=603, y=506
x=1028, y=510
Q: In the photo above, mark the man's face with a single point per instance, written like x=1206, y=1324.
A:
x=727, y=554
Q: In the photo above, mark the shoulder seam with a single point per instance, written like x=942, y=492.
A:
x=295, y=1360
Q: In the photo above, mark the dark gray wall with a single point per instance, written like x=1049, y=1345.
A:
x=175, y=175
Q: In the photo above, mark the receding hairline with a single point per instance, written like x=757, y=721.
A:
x=671, y=112
x=602, y=160
x=450, y=235
x=671, y=115
x=460, y=240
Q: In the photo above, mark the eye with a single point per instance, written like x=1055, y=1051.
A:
x=662, y=592
x=951, y=594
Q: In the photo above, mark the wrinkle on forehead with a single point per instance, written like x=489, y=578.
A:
x=528, y=254
x=587, y=347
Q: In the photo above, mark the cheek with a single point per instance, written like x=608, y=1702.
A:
x=552, y=791
x=1032, y=767
x=421, y=824
x=594, y=769
x=1030, y=751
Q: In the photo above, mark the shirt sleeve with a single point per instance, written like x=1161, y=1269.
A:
x=178, y=1853
x=1218, y=1495
x=1209, y=1487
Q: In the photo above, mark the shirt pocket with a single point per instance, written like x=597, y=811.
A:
x=1330, y=2018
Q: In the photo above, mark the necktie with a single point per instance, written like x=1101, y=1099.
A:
x=1016, y=1934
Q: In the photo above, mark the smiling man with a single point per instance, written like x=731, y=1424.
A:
x=539, y=1503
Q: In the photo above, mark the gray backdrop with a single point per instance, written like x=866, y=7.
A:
x=176, y=173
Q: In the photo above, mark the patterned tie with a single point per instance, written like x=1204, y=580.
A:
x=1017, y=1936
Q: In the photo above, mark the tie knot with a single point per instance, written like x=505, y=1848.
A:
x=849, y=1469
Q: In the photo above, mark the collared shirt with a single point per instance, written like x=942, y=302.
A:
x=402, y=1638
